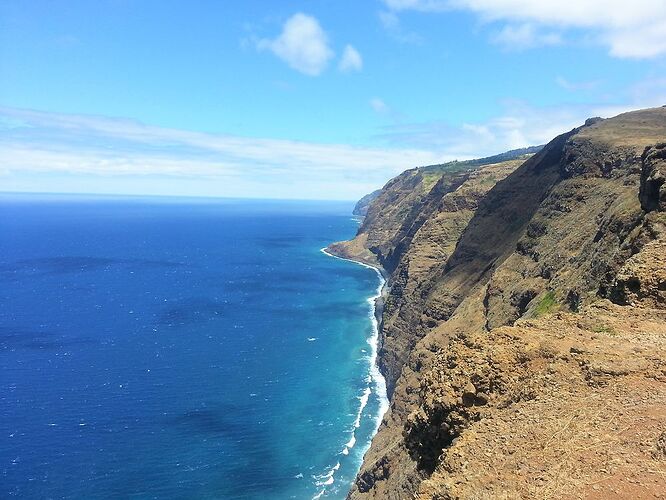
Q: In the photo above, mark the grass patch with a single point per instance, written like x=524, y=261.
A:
x=429, y=180
x=547, y=304
x=604, y=329
x=491, y=180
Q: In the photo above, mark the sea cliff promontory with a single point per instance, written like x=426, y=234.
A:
x=523, y=337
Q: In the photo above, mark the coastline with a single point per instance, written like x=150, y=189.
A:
x=377, y=383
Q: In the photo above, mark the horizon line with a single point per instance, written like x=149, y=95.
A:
x=168, y=196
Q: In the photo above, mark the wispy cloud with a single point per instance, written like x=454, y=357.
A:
x=130, y=156
x=635, y=29
x=520, y=124
x=379, y=106
x=391, y=23
x=577, y=86
x=525, y=36
x=303, y=45
x=351, y=60
x=33, y=142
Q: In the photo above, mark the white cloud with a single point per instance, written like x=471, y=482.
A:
x=303, y=45
x=351, y=60
x=525, y=36
x=379, y=106
x=639, y=41
x=100, y=154
x=520, y=125
x=33, y=143
x=635, y=29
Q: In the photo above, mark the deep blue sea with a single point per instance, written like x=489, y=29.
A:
x=175, y=348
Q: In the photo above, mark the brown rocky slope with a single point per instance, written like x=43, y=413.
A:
x=524, y=333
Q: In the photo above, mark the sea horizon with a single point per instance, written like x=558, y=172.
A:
x=64, y=195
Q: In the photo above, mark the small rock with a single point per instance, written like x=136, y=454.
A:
x=481, y=399
x=469, y=394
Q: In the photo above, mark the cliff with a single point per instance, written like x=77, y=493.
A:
x=361, y=207
x=523, y=336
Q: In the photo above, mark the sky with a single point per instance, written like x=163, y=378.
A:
x=313, y=99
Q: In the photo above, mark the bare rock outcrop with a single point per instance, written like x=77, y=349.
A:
x=653, y=178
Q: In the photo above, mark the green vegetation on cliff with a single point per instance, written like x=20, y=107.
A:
x=546, y=305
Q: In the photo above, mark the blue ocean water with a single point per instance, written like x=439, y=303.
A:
x=157, y=348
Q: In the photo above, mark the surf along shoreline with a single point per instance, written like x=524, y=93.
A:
x=377, y=383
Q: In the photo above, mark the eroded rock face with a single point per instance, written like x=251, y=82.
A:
x=402, y=207
x=494, y=314
x=653, y=178
x=405, y=318
x=425, y=213
x=641, y=281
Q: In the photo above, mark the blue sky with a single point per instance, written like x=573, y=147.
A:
x=297, y=99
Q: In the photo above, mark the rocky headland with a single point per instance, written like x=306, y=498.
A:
x=523, y=335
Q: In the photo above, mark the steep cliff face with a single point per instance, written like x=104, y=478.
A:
x=526, y=309
x=410, y=229
x=394, y=214
x=404, y=204
x=361, y=207
x=421, y=254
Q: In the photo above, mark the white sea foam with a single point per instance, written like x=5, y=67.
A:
x=364, y=401
x=326, y=479
x=375, y=379
x=352, y=441
x=376, y=376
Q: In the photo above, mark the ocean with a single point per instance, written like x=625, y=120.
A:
x=182, y=348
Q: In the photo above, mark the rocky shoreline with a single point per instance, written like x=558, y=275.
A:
x=376, y=378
